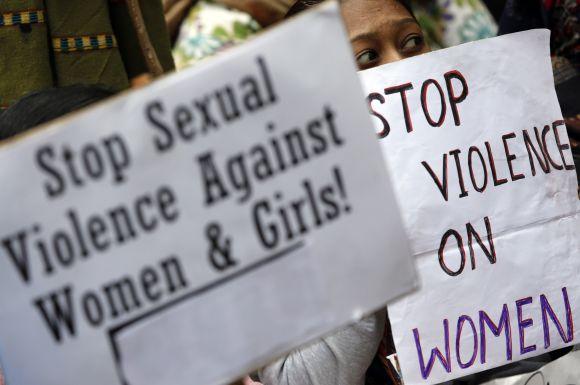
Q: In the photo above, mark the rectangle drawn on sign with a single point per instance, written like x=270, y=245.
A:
x=112, y=332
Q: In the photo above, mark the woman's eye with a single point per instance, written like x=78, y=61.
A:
x=413, y=43
x=367, y=57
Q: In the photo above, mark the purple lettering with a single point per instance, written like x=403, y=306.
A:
x=548, y=311
x=460, y=323
x=504, y=323
x=435, y=353
x=523, y=324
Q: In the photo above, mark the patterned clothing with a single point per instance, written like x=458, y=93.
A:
x=52, y=43
x=562, y=17
x=209, y=29
x=565, y=25
x=451, y=22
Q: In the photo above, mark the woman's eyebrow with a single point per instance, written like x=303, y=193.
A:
x=363, y=36
x=367, y=35
x=407, y=20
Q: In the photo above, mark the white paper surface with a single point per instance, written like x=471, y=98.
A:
x=533, y=221
x=170, y=266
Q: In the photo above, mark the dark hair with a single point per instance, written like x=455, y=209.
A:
x=302, y=5
x=43, y=106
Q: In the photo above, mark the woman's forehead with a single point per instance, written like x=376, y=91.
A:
x=370, y=7
x=365, y=14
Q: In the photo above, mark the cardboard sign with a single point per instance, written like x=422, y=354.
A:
x=193, y=230
x=483, y=171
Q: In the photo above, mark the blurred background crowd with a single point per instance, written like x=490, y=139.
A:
x=123, y=43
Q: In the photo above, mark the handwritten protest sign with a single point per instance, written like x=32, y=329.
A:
x=190, y=231
x=483, y=171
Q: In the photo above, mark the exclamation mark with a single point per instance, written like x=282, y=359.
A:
x=341, y=188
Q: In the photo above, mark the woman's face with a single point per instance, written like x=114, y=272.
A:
x=382, y=31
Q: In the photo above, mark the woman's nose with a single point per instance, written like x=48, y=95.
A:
x=390, y=55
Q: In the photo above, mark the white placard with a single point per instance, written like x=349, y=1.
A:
x=191, y=231
x=483, y=172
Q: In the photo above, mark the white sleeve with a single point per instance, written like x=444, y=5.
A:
x=339, y=359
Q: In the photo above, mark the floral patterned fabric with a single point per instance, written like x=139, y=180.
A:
x=565, y=26
x=451, y=22
x=208, y=29
x=562, y=17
